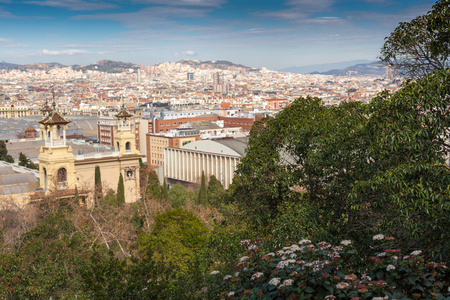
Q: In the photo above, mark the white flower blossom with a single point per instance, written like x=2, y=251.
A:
x=285, y=263
x=342, y=285
x=227, y=277
x=214, y=272
x=244, y=259
x=304, y=242
x=236, y=274
x=378, y=237
x=346, y=242
x=230, y=294
x=286, y=282
x=274, y=281
x=257, y=275
x=416, y=253
x=337, y=248
x=271, y=254
x=295, y=248
x=252, y=247
x=390, y=268
x=244, y=242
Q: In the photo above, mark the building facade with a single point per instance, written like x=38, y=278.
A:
x=213, y=157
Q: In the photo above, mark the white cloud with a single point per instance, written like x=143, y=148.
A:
x=184, y=3
x=191, y=53
x=5, y=14
x=63, y=52
x=74, y=4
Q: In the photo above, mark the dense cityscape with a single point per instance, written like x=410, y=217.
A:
x=210, y=179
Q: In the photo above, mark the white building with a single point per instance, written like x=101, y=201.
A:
x=218, y=157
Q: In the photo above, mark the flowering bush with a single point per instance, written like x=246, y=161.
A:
x=325, y=271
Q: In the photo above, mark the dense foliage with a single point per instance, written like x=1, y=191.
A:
x=4, y=153
x=305, y=270
x=356, y=169
x=421, y=45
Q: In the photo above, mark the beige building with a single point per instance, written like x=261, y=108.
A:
x=213, y=157
x=61, y=170
x=156, y=143
x=12, y=111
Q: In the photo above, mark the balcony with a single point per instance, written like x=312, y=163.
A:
x=62, y=185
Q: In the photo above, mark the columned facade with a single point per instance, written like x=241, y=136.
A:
x=187, y=165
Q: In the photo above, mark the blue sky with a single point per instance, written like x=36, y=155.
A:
x=273, y=34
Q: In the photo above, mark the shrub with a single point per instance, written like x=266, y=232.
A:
x=325, y=271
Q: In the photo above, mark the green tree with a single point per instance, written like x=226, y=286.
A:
x=153, y=187
x=47, y=264
x=203, y=192
x=176, y=236
x=421, y=45
x=26, y=162
x=4, y=153
x=164, y=191
x=120, y=191
x=98, y=183
x=307, y=148
x=409, y=194
x=178, y=195
x=215, y=191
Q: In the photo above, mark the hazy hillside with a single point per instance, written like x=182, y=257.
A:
x=109, y=66
x=215, y=64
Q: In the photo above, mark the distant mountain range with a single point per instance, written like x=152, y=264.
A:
x=109, y=66
x=352, y=68
x=349, y=68
x=214, y=64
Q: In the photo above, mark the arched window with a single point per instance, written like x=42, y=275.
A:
x=128, y=146
x=45, y=178
x=118, y=146
x=62, y=178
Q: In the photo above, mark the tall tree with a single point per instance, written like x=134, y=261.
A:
x=421, y=45
x=120, y=191
x=4, y=153
x=153, y=187
x=215, y=191
x=203, y=193
x=164, y=190
x=408, y=196
x=98, y=183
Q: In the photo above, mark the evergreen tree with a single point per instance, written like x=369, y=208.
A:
x=98, y=183
x=203, y=193
x=215, y=191
x=120, y=191
x=153, y=187
x=25, y=161
x=165, y=193
x=4, y=153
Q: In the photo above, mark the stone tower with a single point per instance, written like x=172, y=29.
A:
x=56, y=160
x=124, y=138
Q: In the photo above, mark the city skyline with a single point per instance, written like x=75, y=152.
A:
x=269, y=34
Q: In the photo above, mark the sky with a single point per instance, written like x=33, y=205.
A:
x=275, y=34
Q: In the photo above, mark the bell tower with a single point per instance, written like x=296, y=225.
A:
x=124, y=138
x=56, y=160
